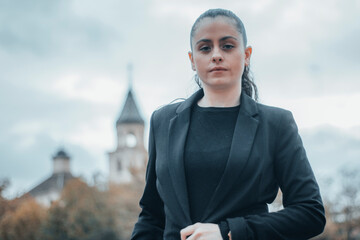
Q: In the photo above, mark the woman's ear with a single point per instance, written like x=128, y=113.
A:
x=248, y=52
x=192, y=61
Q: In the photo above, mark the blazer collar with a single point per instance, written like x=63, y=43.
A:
x=189, y=102
x=247, y=104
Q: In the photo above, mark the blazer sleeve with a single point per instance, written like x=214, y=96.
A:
x=151, y=221
x=303, y=214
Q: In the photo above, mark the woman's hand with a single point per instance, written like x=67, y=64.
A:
x=201, y=231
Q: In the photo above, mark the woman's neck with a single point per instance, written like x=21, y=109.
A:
x=220, y=97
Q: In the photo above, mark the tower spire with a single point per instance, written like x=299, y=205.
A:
x=130, y=112
x=130, y=77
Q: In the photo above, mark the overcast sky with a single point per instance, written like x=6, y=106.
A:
x=63, y=74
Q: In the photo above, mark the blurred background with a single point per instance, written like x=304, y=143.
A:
x=67, y=67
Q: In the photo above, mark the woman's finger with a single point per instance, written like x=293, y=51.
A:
x=187, y=231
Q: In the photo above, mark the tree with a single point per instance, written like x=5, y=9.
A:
x=22, y=221
x=343, y=210
x=125, y=201
x=349, y=201
x=4, y=183
x=54, y=228
x=82, y=213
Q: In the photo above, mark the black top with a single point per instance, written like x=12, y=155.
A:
x=206, y=153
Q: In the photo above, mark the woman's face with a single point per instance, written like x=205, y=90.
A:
x=219, y=54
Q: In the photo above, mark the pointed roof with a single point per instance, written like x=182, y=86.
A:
x=57, y=181
x=130, y=112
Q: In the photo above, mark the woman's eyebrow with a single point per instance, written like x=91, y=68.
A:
x=227, y=37
x=203, y=40
x=221, y=39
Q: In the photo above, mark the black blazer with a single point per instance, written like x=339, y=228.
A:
x=266, y=153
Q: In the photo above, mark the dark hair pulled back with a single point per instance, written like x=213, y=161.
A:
x=247, y=83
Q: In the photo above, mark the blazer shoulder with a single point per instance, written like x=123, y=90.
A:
x=165, y=113
x=272, y=113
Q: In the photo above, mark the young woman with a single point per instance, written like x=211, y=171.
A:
x=218, y=158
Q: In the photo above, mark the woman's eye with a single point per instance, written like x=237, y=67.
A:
x=228, y=46
x=205, y=49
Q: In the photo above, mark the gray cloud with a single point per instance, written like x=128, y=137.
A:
x=330, y=148
x=300, y=50
x=46, y=28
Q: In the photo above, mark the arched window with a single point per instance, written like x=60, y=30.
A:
x=130, y=140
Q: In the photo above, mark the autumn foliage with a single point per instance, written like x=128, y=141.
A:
x=20, y=218
x=82, y=213
x=23, y=222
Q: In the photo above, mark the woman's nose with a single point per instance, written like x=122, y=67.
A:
x=217, y=57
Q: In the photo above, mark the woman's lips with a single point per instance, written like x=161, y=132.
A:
x=218, y=69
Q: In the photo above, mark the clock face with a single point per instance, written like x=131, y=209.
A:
x=130, y=140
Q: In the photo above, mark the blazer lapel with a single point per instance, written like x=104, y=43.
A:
x=243, y=138
x=178, y=129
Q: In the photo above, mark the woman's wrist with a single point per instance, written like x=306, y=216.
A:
x=224, y=230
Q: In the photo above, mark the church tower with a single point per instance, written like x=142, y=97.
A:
x=128, y=161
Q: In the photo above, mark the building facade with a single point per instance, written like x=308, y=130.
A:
x=50, y=189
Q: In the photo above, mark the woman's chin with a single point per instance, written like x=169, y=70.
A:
x=220, y=84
